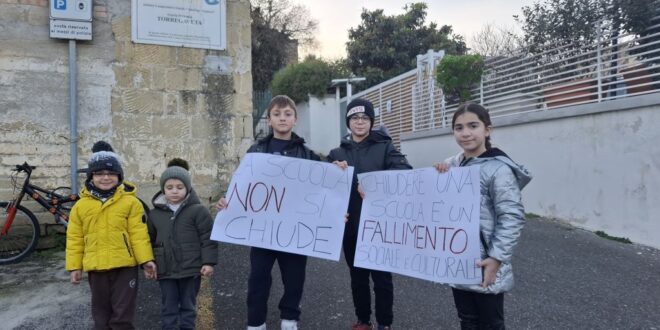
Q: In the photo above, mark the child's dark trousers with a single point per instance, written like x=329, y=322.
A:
x=292, y=267
x=361, y=288
x=479, y=310
x=114, y=294
x=179, y=302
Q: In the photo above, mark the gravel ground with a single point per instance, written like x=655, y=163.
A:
x=37, y=290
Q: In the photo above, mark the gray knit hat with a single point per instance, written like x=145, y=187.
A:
x=175, y=172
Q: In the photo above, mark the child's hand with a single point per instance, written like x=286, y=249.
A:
x=342, y=164
x=442, y=167
x=221, y=204
x=150, y=270
x=207, y=270
x=360, y=191
x=490, y=267
x=346, y=218
x=76, y=276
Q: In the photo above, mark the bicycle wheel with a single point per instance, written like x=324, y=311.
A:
x=21, y=238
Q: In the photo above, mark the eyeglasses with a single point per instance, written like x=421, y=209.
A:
x=105, y=173
x=355, y=119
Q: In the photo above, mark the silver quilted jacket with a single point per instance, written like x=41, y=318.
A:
x=502, y=212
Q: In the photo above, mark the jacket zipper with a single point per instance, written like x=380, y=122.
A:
x=482, y=238
x=126, y=243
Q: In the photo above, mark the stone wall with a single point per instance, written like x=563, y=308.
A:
x=152, y=103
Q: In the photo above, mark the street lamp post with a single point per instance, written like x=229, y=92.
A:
x=349, y=88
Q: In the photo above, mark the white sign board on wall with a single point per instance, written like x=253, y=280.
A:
x=182, y=23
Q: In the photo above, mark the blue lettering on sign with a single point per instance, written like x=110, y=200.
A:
x=59, y=4
x=212, y=2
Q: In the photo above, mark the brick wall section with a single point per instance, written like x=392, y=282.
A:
x=34, y=119
x=100, y=12
x=150, y=102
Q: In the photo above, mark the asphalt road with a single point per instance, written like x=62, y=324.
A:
x=566, y=278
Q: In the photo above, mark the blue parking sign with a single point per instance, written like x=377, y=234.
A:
x=59, y=4
x=72, y=10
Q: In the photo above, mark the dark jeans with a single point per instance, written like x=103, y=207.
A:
x=479, y=310
x=361, y=290
x=179, y=302
x=114, y=293
x=292, y=267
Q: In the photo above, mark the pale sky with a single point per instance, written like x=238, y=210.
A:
x=465, y=16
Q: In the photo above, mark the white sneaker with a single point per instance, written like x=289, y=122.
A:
x=289, y=325
x=261, y=327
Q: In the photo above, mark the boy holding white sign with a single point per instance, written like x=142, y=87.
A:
x=367, y=151
x=282, y=117
x=501, y=222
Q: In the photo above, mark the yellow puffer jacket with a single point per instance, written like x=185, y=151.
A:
x=103, y=236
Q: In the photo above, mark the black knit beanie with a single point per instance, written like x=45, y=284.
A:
x=360, y=106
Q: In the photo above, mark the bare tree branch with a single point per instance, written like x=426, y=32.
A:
x=495, y=40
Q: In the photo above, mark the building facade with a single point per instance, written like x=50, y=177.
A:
x=151, y=102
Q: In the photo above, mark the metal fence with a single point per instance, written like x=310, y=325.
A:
x=260, y=101
x=573, y=74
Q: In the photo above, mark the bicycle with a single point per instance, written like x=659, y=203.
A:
x=19, y=227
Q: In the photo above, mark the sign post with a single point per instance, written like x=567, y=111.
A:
x=72, y=20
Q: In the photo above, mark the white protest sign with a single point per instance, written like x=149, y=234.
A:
x=286, y=204
x=421, y=223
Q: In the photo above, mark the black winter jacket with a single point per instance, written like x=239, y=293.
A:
x=375, y=153
x=296, y=148
x=181, y=241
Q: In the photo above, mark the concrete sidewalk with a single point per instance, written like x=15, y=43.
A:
x=566, y=278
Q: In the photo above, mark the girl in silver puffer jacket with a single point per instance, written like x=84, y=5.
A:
x=501, y=220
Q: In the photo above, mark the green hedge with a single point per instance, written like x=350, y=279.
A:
x=456, y=75
x=298, y=81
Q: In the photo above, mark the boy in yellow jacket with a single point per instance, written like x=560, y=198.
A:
x=107, y=238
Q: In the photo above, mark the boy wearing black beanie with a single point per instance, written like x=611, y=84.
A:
x=366, y=150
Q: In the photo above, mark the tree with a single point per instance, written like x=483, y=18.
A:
x=292, y=20
x=310, y=77
x=565, y=22
x=278, y=28
x=382, y=47
x=493, y=40
x=458, y=74
x=567, y=32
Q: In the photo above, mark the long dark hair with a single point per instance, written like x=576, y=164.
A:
x=478, y=110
